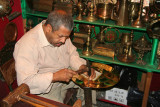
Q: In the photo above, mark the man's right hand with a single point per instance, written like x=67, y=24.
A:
x=63, y=75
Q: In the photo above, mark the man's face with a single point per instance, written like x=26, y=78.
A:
x=58, y=38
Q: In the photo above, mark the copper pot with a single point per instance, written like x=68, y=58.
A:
x=104, y=10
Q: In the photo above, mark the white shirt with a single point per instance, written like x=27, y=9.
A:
x=36, y=60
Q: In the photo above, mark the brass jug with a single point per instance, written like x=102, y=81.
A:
x=146, y=17
x=125, y=38
x=80, y=7
x=133, y=10
x=122, y=18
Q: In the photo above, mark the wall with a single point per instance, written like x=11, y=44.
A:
x=4, y=90
x=18, y=21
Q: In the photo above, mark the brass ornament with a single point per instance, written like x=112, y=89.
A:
x=125, y=38
x=142, y=46
x=104, y=11
x=121, y=15
x=10, y=32
x=87, y=50
x=91, y=17
x=153, y=29
x=146, y=17
x=5, y=7
x=101, y=35
x=107, y=34
x=133, y=10
x=127, y=55
x=104, y=50
x=80, y=7
x=111, y=34
x=138, y=22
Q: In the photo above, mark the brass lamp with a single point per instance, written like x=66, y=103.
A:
x=87, y=51
x=91, y=17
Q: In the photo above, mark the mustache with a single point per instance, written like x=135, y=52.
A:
x=59, y=43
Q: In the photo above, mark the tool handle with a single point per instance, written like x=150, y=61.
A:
x=89, y=68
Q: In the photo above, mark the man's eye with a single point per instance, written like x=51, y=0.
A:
x=63, y=37
x=60, y=36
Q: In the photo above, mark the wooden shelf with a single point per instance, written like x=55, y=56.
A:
x=109, y=23
x=106, y=60
x=37, y=13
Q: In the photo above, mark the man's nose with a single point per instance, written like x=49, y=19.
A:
x=63, y=40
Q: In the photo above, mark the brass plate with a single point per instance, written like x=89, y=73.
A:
x=104, y=81
x=10, y=32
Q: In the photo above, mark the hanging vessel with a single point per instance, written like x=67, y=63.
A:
x=5, y=7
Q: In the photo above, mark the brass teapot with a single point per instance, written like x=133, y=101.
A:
x=5, y=7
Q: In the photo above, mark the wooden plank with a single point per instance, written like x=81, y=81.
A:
x=147, y=87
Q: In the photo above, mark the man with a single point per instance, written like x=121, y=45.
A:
x=46, y=60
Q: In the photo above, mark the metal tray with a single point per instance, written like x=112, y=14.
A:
x=107, y=79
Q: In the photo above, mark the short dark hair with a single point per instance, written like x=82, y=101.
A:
x=59, y=18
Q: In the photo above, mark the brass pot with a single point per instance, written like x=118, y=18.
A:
x=5, y=7
x=104, y=10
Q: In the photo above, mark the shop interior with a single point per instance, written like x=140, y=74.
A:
x=118, y=38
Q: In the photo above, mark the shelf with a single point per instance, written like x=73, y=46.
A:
x=36, y=13
x=106, y=60
x=109, y=23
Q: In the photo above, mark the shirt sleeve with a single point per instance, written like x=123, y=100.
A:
x=26, y=65
x=75, y=60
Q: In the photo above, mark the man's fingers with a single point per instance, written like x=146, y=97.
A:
x=72, y=72
x=93, y=74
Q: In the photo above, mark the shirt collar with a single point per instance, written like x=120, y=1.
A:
x=42, y=37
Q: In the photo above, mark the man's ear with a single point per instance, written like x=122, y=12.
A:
x=49, y=28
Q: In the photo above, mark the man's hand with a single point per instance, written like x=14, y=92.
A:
x=84, y=67
x=63, y=75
